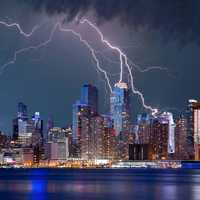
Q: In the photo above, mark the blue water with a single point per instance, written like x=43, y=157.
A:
x=101, y=184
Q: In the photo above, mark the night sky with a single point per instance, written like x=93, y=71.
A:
x=151, y=33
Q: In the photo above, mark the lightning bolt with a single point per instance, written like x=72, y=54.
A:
x=20, y=51
x=45, y=43
x=137, y=67
x=123, y=59
x=16, y=25
x=123, y=62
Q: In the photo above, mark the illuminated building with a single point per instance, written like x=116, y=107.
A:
x=159, y=139
x=19, y=123
x=25, y=132
x=91, y=131
x=120, y=108
x=58, y=145
x=194, y=126
x=79, y=111
x=109, y=139
x=190, y=129
x=181, y=139
x=139, y=150
x=167, y=116
x=97, y=129
x=85, y=108
x=22, y=111
x=120, y=115
x=37, y=137
x=142, y=129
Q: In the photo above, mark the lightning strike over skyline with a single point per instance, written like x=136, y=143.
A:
x=123, y=61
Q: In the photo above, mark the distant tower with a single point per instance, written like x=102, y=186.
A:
x=89, y=96
x=120, y=107
x=50, y=124
x=22, y=111
x=19, y=123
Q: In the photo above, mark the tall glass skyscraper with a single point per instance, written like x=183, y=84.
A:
x=89, y=96
x=89, y=99
x=120, y=107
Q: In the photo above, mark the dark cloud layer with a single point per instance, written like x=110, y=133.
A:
x=175, y=19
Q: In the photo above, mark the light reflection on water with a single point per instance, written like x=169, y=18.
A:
x=99, y=184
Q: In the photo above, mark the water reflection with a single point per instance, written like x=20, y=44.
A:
x=101, y=184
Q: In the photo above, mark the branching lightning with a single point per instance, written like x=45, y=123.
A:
x=20, y=51
x=45, y=43
x=16, y=25
x=123, y=59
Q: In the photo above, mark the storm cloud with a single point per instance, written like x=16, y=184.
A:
x=175, y=19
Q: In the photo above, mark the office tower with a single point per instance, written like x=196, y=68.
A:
x=190, y=128
x=25, y=132
x=19, y=123
x=86, y=107
x=139, y=150
x=50, y=124
x=58, y=144
x=194, y=126
x=120, y=114
x=89, y=96
x=15, y=129
x=38, y=124
x=159, y=131
x=181, y=139
x=167, y=116
x=97, y=129
x=109, y=139
x=79, y=111
x=142, y=129
x=120, y=108
x=22, y=111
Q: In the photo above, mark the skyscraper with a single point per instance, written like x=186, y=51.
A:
x=89, y=96
x=159, y=139
x=120, y=108
x=171, y=131
x=120, y=115
x=109, y=139
x=142, y=130
x=20, y=121
x=190, y=128
x=83, y=109
x=80, y=112
x=181, y=139
x=22, y=111
x=196, y=128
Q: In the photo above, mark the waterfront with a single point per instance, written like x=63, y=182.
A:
x=100, y=184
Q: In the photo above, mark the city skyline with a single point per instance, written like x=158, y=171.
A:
x=51, y=74
x=94, y=137
x=100, y=99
